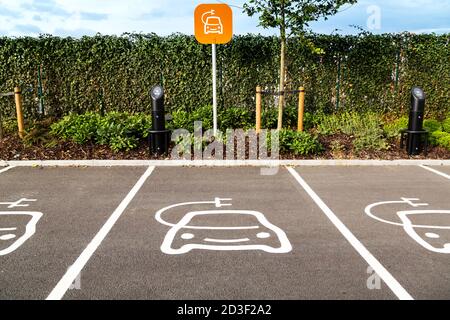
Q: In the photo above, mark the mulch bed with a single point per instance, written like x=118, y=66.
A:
x=12, y=148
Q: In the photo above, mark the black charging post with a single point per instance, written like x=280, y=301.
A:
x=415, y=136
x=159, y=136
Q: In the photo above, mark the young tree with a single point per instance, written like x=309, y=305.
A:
x=291, y=17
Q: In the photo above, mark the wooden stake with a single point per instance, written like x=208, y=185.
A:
x=18, y=98
x=301, y=108
x=258, y=109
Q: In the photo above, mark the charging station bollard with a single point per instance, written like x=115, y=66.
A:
x=415, y=133
x=159, y=136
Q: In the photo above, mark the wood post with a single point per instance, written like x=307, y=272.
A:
x=18, y=98
x=258, y=109
x=301, y=108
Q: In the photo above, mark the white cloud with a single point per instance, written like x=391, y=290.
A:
x=65, y=17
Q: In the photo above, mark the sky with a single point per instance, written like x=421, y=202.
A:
x=163, y=17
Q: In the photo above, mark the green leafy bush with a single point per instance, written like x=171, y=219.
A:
x=9, y=126
x=78, y=128
x=269, y=118
x=185, y=120
x=446, y=125
x=238, y=118
x=432, y=125
x=111, y=73
x=441, y=138
x=120, y=131
x=371, y=138
x=392, y=128
x=365, y=128
x=299, y=143
x=234, y=118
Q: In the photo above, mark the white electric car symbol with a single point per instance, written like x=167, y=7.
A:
x=211, y=230
x=212, y=24
x=434, y=237
x=12, y=237
x=423, y=238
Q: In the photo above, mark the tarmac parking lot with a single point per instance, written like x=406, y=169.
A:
x=326, y=232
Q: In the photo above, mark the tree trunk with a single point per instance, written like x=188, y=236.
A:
x=281, y=88
x=282, y=69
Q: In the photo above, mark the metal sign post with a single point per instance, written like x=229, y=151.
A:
x=214, y=81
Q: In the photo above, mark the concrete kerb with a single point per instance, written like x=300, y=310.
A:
x=219, y=163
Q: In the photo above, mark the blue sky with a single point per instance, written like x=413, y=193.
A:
x=87, y=17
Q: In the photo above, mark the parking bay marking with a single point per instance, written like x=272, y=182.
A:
x=72, y=273
x=435, y=171
x=6, y=169
x=30, y=230
x=390, y=281
x=409, y=226
x=219, y=244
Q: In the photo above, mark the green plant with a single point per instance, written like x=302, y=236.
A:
x=112, y=73
x=371, y=138
x=9, y=126
x=185, y=120
x=365, y=128
x=446, y=125
x=269, y=118
x=392, y=128
x=337, y=148
x=441, y=138
x=299, y=143
x=432, y=125
x=78, y=128
x=235, y=117
x=38, y=133
x=120, y=131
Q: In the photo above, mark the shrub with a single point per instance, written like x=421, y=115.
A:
x=121, y=131
x=269, y=118
x=9, y=126
x=432, y=125
x=78, y=128
x=446, y=125
x=365, y=128
x=392, y=129
x=370, y=139
x=441, y=138
x=185, y=120
x=234, y=118
x=299, y=143
x=239, y=118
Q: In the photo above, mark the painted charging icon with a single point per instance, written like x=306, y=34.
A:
x=211, y=230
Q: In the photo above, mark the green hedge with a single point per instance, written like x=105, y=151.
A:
x=110, y=73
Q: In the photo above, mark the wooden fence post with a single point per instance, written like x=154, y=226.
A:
x=258, y=109
x=18, y=98
x=301, y=108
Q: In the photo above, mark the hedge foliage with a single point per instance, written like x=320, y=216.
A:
x=111, y=73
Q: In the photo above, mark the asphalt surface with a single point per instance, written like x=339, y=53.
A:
x=254, y=237
x=74, y=204
x=443, y=169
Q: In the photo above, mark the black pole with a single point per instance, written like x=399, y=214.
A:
x=159, y=136
x=415, y=126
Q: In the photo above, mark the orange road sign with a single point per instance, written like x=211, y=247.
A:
x=213, y=23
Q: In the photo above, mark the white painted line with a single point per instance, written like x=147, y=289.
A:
x=72, y=273
x=8, y=229
x=6, y=169
x=436, y=171
x=227, y=240
x=219, y=163
x=391, y=282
